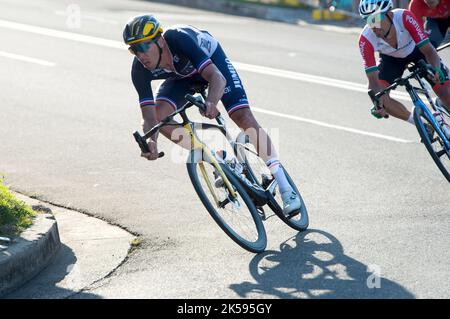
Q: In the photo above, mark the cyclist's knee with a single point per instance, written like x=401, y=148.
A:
x=444, y=95
x=244, y=119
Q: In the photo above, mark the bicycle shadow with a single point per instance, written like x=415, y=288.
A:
x=313, y=265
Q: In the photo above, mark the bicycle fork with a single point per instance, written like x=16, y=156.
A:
x=196, y=144
x=418, y=103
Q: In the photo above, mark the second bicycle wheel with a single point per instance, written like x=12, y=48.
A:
x=258, y=172
x=433, y=142
x=238, y=217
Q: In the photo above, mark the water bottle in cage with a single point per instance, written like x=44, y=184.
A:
x=231, y=160
x=444, y=126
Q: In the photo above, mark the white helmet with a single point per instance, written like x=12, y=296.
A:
x=368, y=7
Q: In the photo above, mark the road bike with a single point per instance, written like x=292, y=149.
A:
x=430, y=130
x=234, y=192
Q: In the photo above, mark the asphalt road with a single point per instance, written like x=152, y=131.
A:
x=378, y=205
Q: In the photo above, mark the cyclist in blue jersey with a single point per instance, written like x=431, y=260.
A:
x=184, y=56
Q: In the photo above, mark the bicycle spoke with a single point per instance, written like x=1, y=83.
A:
x=233, y=212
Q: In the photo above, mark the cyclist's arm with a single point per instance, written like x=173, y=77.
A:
x=141, y=81
x=431, y=55
x=370, y=67
x=418, y=8
x=374, y=82
x=216, y=82
x=421, y=39
x=149, y=119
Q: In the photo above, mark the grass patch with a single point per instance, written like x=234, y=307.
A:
x=15, y=215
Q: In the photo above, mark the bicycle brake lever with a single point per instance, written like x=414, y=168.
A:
x=196, y=102
x=426, y=67
x=143, y=144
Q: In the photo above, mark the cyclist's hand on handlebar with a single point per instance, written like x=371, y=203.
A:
x=153, y=154
x=211, y=110
x=439, y=76
x=378, y=110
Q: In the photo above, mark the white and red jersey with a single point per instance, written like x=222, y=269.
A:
x=409, y=35
x=421, y=10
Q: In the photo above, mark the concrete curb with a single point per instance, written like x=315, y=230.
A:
x=29, y=254
x=91, y=251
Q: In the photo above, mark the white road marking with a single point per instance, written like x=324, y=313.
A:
x=200, y=18
x=241, y=66
x=62, y=34
x=337, y=127
x=351, y=86
x=89, y=17
x=25, y=58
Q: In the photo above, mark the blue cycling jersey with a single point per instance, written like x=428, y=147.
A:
x=192, y=51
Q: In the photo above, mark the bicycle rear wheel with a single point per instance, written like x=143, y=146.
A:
x=433, y=142
x=238, y=218
x=257, y=171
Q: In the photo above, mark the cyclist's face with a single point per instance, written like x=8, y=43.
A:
x=146, y=53
x=432, y=3
x=378, y=24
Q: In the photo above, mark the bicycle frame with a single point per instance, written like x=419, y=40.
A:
x=418, y=74
x=196, y=143
x=412, y=91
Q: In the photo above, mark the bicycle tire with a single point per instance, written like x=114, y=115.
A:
x=419, y=113
x=299, y=222
x=256, y=246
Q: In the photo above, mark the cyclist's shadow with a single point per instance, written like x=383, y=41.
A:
x=313, y=265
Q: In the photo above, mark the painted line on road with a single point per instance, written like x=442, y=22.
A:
x=346, y=85
x=241, y=66
x=62, y=34
x=25, y=59
x=337, y=127
x=87, y=17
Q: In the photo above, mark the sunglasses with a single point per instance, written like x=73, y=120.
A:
x=374, y=20
x=141, y=47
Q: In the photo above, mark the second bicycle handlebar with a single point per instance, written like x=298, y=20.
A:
x=142, y=140
x=421, y=68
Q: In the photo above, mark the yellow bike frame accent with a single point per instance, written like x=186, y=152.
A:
x=197, y=144
x=208, y=182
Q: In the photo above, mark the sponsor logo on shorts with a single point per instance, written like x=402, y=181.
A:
x=227, y=90
x=236, y=81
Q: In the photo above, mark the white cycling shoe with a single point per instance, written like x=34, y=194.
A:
x=291, y=203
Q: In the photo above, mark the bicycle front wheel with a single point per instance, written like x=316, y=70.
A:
x=433, y=142
x=258, y=172
x=237, y=217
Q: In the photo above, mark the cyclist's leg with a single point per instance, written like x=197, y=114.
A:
x=391, y=68
x=434, y=29
x=169, y=97
x=236, y=103
x=443, y=90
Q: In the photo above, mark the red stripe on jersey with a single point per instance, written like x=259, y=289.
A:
x=414, y=27
x=367, y=52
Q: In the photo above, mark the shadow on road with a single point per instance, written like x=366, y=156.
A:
x=61, y=279
x=313, y=265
